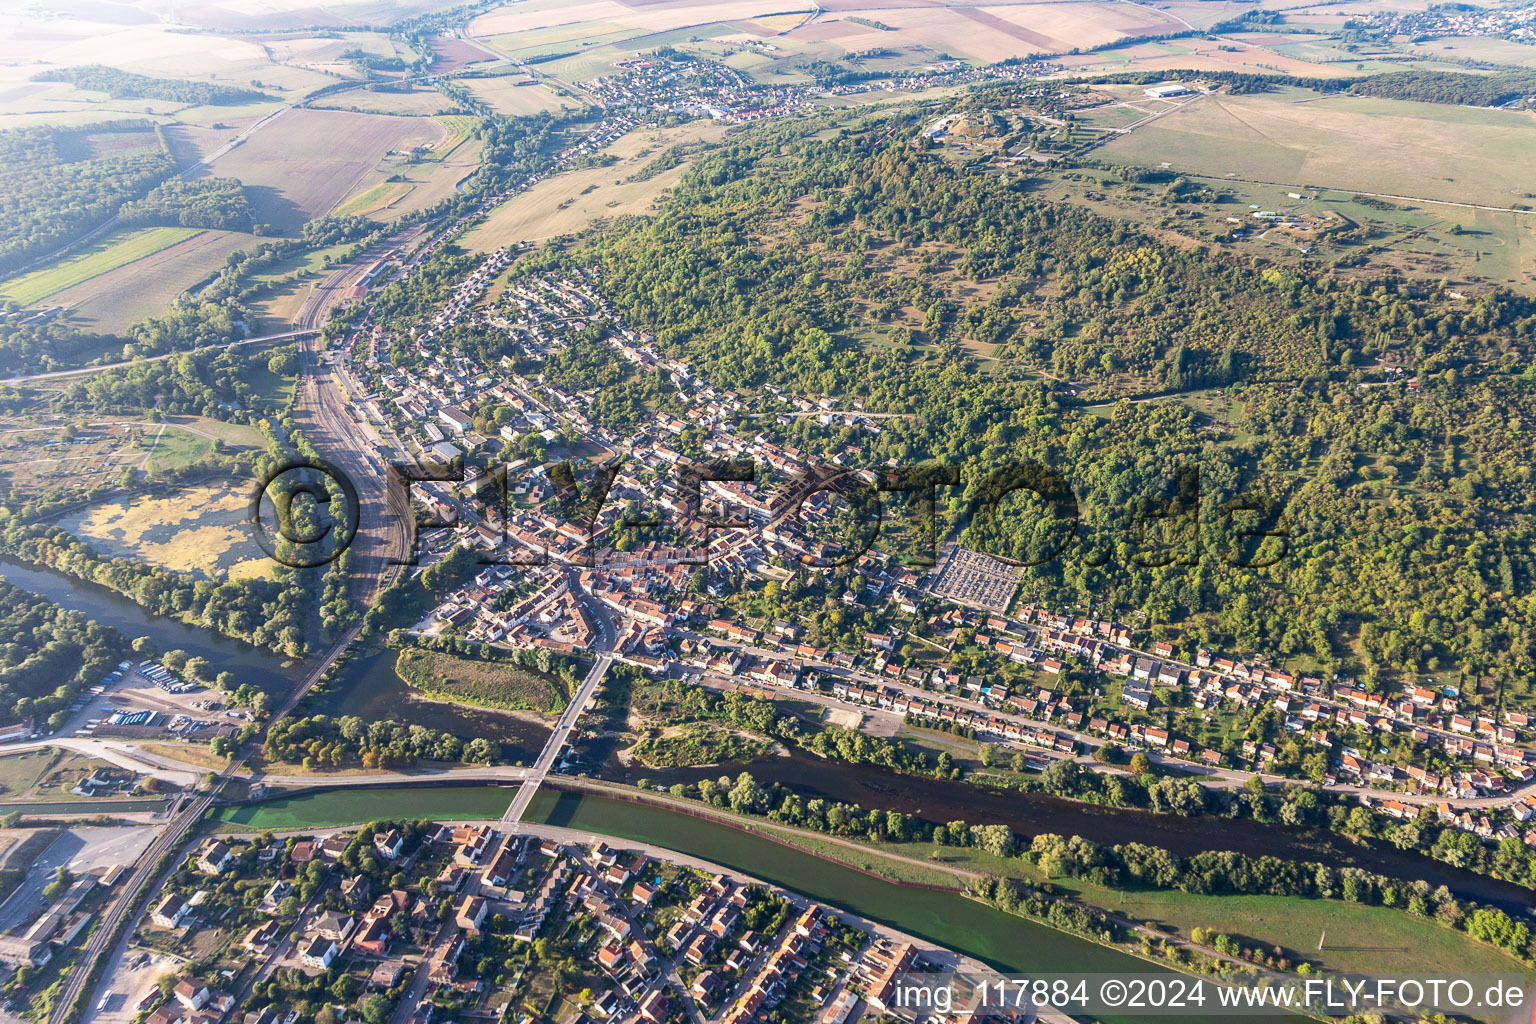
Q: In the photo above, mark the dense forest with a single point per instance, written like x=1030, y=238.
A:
x=1456, y=87
x=125, y=85
x=55, y=184
x=47, y=654
x=205, y=203
x=213, y=382
x=842, y=267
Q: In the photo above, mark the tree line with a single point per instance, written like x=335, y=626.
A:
x=125, y=85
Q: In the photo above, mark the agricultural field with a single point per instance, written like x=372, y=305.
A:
x=421, y=102
x=991, y=33
x=530, y=15
x=301, y=164
x=116, y=250
x=1494, y=51
x=454, y=53
x=504, y=685
x=202, y=528
x=1296, y=137
x=571, y=201
x=113, y=301
x=517, y=95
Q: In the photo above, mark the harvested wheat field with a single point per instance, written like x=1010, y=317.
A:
x=304, y=162
x=113, y=301
x=987, y=33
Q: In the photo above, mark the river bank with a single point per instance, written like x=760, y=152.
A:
x=939, y=801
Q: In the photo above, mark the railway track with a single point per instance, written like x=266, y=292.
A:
x=106, y=932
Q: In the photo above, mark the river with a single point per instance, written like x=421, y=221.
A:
x=1030, y=814
x=271, y=672
x=366, y=685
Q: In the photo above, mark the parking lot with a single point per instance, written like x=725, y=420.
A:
x=134, y=707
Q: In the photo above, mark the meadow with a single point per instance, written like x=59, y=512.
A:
x=504, y=685
x=571, y=201
x=1296, y=137
x=116, y=250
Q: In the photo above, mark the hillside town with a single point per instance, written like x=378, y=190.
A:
x=1060, y=685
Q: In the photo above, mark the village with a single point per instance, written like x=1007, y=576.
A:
x=492, y=916
x=441, y=404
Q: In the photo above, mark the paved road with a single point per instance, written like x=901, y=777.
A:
x=101, y=368
x=28, y=896
x=557, y=739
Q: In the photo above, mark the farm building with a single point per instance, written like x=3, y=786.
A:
x=1163, y=92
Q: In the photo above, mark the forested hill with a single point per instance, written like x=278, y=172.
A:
x=122, y=85
x=865, y=268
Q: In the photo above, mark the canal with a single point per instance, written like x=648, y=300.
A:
x=1003, y=941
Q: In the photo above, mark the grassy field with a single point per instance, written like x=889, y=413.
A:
x=568, y=202
x=354, y=806
x=20, y=773
x=113, y=301
x=488, y=684
x=116, y=250
x=188, y=753
x=1294, y=136
x=371, y=199
x=1359, y=938
x=458, y=127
